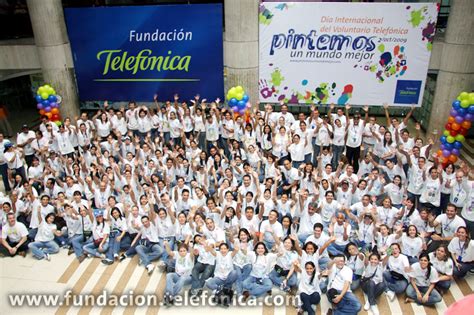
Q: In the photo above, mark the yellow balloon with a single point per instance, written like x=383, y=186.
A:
x=239, y=96
x=44, y=95
x=239, y=89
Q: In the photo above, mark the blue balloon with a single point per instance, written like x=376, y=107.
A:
x=448, y=146
x=52, y=98
x=233, y=101
x=245, y=98
x=462, y=112
x=471, y=109
x=457, y=145
x=45, y=103
x=241, y=104
x=456, y=105
x=38, y=99
x=443, y=140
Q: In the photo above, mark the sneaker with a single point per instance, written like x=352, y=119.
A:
x=366, y=306
x=122, y=257
x=47, y=257
x=102, y=256
x=81, y=258
x=374, y=309
x=150, y=268
x=390, y=295
x=107, y=262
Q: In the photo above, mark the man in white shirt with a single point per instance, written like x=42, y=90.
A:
x=13, y=158
x=148, y=248
x=14, y=237
x=355, y=128
x=290, y=180
x=23, y=140
x=448, y=223
x=339, y=288
x=271, y=229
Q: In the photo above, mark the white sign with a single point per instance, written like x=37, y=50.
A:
x=357, y=53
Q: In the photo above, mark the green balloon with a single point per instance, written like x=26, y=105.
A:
x=239, y=96
x=450, y=139
x=460, y=138
x=471, y=99
x=44, y=95
x=464, y=95
x=41, y=90
x=465, y=103
x=446, y=133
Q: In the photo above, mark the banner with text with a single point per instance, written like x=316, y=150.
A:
x=132, y=53
x=357, y=53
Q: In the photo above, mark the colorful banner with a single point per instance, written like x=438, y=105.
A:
x=132, y=53
x=357, y=53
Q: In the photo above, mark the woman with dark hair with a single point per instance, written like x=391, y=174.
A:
x=395, y=191
x=242, y=262
x=44, y=244
x=431, y=191
x=118, y=230
x=372, y=282
x=258, y=283
x=175, y=281
x=395, y=274
x=354, y=260
x=310, y=293
x=412, y=243
x=444, y=266
x=423, y=278
x=462, y=252
x=449, y=178
x=283, y=275
x=407, y=213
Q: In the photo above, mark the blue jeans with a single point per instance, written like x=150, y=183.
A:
x=77, y=242
x=316, y=150
x=40, y=249
x=217, y=283
x=4, y=173
x=348, y=305
x=277, y=279
x=373, y=290
x=308, y=302
x=242, y=274
x=336, y=155
x=149, y=252
x=92, y=249
x=171, y=241
x=397, y=286
x=443, y=285
x=201, y=272
x=434, y=297
x=175, y=283
x=115, y=245
x=323, y=263
x=465, y=267
x=257, y=287
x=335, y=249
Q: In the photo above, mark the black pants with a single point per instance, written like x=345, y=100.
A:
x=353, y=155
x=22, y=248
x=29, y=159
x=4, y=173
x=308, y=301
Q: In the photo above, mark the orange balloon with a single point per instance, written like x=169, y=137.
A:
x=42, y=112
x=54, y=111
x=466, y=124
x=453, y=158
x=49, y=115
x=440, y=152
x=451, y=119
x=455, y=126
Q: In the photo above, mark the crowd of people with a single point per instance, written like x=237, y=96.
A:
x=312, y=205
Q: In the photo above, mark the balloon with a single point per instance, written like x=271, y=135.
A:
x=44, y=95
x=466, y=124
x=456, y=105
x=235, y=108
x=47, y=109
x=50, y=91
x=463, y=131
x=453, y=133
x=442, y=147
x=45, y=103
x=55, y=117
x=239, y=89
x=54, y=111
x=459, y=119
x=52, y=98
x=38, y=98
x=453, y=158
x=443, y=139
x=453, y=112
x=446, y=132
x=239, y=96
x=455, y=126
x=464, y=95
x=48, y=115
x=39, y=106
x=457, y=145
x=449, y=146
x=446, y=153
x=245, y=98
x=233, y=101
x=450, y=139
x=41, y=90
x=470, y=110
x=465, y=103
x=42, y=112
x=456, y=152
x=54, y=105
x=469, y=117
x=448, y=126
x=451, y=119
x=460, y=138
x=462, y=112
x=58, y=123
x=241, y=104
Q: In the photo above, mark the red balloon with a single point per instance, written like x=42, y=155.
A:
x=444, y=165
x=455, y=126
x=453, y=133
x=466, y=124
x=463, y=131
x=55, y=117
x=448, y=126
x=451, y=119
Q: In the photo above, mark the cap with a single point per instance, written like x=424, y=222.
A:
x=25, y=126
x=126, y=138
x=345, y=182
x=98, y=213
x=7, y=146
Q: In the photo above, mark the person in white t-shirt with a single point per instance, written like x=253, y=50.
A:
x=175, y=281
x=24, y=140
x=372, y=282
x=148, y=247
x=14, y=237
x=442, y=262
x=44, y=244
x=355, y=129
x=423, y=278
x=395, y=275
x=448, y=223
x=308, y=287
x=339, y=288
x=461, y=248
x=224, y=273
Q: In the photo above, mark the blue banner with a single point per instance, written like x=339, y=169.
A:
x=132, y=53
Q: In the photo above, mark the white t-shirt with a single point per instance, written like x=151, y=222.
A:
x=421, y=275
x=183, y=265
x=14, y=233
x=261, y=265
x=354, y=134
x=444, y=267
x=449, y=226
x=24, y=137
x=224, y=265
x=276, y=227
x=398, y=264
x=462, y=252
x=338, y=277
x=309, y=284
x=411, y=246
x=45, y=232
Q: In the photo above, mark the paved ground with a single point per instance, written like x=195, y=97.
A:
x=63, y=273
